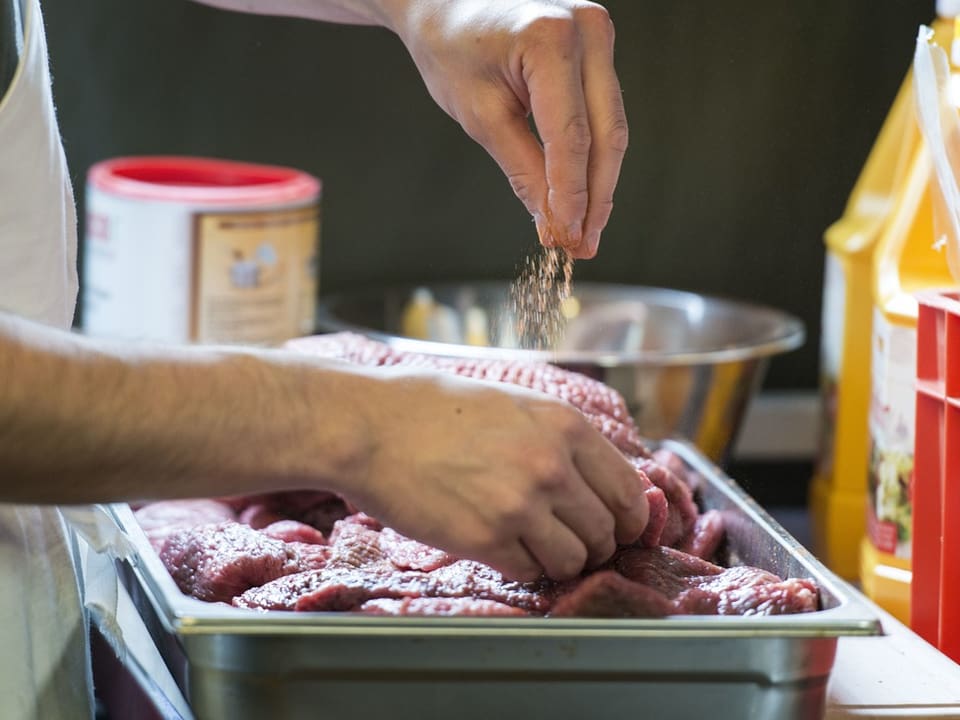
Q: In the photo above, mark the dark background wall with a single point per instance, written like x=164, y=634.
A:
x=750, y=120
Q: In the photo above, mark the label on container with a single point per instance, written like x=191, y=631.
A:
x=892, y=424
x=831, y=358
x=254, y=279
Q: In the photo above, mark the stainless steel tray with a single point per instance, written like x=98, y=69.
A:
x=236, y=664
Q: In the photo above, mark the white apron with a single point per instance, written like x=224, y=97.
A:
x=44, y=668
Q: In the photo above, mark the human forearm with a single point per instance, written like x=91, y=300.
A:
x=83, y=421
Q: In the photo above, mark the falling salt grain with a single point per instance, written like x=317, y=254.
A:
x=538, y=296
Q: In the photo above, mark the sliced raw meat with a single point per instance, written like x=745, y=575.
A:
x=748, y=591
x=409, y=554
x=681, y=509
x=318, y=508
x=675, y=464
x=705, y=537
x=348, y=588
x=294, y=531
x=699, y=587
x=658, y=511
x=259, y=516
x=354, y=545
x=218, y=562
x=161, y=519
x=602, y=405
x=310, y=556
x=607, y=594
x=664, y=569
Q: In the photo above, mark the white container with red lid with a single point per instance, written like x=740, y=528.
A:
x=186, y=249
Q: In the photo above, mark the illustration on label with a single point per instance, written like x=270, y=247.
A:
x=254, y=276
x=892, y=423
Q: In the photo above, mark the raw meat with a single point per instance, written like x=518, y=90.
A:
x=601, y=404
x=637, y=582
x=705, y=537
x=318, y=508
x=294, y=531
x=161, y=519
x=218, y=562
x=345, y=588
x=607, y=594
x=681, y=509
x=699, y=587
x=408, y=554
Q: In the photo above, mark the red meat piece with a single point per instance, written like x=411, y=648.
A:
x=346, y=588
x=259, y=516
x=218, y=562
x=409, y=554
x=602, y=405
x=293, y=531
x=681, y=509
x=705, y=537
x=160, y=520
x=607, y=594
x=696, y=586
x=318, y=508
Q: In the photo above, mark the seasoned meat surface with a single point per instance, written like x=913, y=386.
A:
x=218, y=562
x=601, y=404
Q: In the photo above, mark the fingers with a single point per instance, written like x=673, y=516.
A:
x=614, y=481
x=591, y=522
x=571, y=520
x=608, y=123
x=561, y=554
x=577, y=105
x=554, y=80
x=515, y=561
x=507, y=138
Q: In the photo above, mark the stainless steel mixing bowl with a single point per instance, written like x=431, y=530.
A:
x=686, y=364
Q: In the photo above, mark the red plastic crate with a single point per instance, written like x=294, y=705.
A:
x=935, y=589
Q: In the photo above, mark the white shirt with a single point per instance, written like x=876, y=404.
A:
x=44, y=667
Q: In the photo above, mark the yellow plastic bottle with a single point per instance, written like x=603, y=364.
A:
x=908, y=259
x=838, y=489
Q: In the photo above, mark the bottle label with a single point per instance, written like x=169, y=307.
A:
x=892, y=423
x=254, y=276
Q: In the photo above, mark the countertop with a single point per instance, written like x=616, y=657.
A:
x=898, y=675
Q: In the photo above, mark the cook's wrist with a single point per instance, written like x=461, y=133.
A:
x=334, y=430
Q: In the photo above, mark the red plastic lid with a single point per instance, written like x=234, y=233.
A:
x=203, y=181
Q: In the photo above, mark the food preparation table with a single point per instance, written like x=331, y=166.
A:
x=898, y=676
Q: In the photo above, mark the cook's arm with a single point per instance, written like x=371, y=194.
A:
x=503, y=475
x=490, y=64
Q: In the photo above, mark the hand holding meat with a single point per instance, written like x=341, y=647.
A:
x=503, y=475
x=308, y=551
